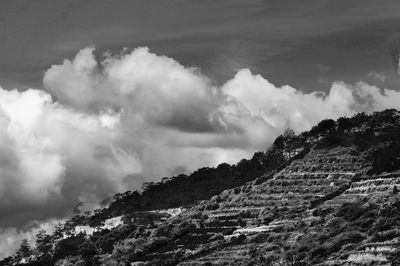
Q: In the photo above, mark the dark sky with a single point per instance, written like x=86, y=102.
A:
x=307, y=44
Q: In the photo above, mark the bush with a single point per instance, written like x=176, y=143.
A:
x=156, y=243
x=346, y=238
x=351, y=211
x=386, y=235
x=238, y=239
x=68, y=246
x=320, y=251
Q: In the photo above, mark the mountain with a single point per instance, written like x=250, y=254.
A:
x=329, y=196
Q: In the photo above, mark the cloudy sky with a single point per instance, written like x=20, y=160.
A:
x=97, y=97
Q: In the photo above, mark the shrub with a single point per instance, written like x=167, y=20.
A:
x=320, y=251
x=346, y=238
x=68, y=246
x=351, y=211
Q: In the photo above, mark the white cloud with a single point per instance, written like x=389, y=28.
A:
x=106, y=126
x=44, y=144
x=287, y=107
x=36, y=168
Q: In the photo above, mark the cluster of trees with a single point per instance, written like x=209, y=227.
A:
x=49, y=248
x=187, y=190
x=359, y=121
x=42, y=250
x=83, y=249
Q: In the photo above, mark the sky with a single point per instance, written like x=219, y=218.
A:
x=304, y=44
x=97, y=97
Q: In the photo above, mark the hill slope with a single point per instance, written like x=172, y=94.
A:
x=325, y=197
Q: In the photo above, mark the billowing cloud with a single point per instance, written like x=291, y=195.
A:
x=30, y=165
x=47, y=147
x=154, y=88
x=107, y=125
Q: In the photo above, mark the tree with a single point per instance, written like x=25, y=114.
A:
x=44, y=245
x=283, y=140
x=68, y=246
x=6, y=261
x=24, y=249
x=326, y=126
x=43, y=242
x=344, y=123
x=88, y=251
x=289, y=133
x=279, y=142
x=58, y=231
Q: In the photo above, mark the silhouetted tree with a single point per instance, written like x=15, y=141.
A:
x=24, y=249
x=58, y=231
x=325, y=126
x=6, y=261
x=344, y=123
x=279, y=142
x=289, y=133
x=43, y=242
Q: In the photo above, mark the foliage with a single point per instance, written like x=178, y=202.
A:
x=394, y=258
x=344, y=123
x=43, y=242
x=68, y=246
x=24, y=249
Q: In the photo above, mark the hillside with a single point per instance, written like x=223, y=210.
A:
x=329, y=196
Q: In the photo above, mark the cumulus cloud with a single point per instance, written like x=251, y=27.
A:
x=47, y=147
x=154, y=88
x=109, y=124
x=287, y=107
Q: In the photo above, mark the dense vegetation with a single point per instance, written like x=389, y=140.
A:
x=187, y=190
x=326, y=195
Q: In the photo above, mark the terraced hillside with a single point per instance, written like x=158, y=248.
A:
x=329, y=196
x=281, y=207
